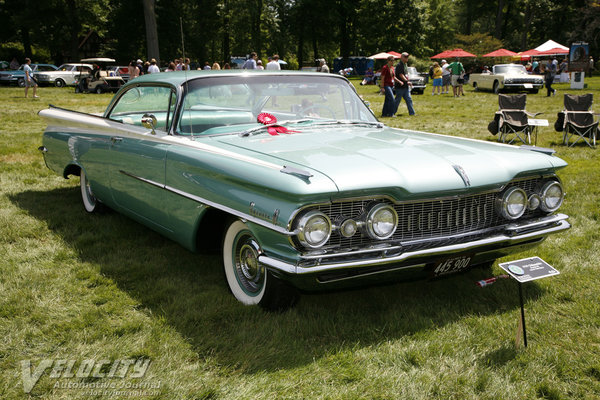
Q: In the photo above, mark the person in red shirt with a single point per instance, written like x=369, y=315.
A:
x=387, y=83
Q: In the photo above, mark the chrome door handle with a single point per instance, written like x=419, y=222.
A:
x=116, y=139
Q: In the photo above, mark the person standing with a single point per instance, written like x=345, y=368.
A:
x=387, y=84
x=456, y=71
x=445, y=77
x=134, y=71
x=591, y=68
x=250, y=62
x=549, y=74
x=323, y=66
x=403, y=85
x=259, y=65
x=29, y=79
x=153, y=68
x=274, y=63
x=436, y=74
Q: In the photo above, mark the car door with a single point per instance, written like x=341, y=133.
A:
x=138, y=153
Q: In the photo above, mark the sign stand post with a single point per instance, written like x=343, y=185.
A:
x=522, y=313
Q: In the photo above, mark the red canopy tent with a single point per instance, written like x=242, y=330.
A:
x=555, y=51
x=500, y=53
x=532, y=52
x=395, y=54
x=459, y=53
x=443, y=54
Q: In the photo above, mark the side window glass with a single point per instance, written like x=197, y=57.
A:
x=137, y=101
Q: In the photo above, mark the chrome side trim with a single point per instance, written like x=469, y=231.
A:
x=561, y=225
x=213, y=204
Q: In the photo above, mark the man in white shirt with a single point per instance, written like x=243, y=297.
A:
x=153, y=68
x=445, y=77
x=274, y=63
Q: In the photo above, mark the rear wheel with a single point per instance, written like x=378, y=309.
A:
x=59, y=83
x=475, y=87
x=99, y=89
x=249, y=281
x=90, y=203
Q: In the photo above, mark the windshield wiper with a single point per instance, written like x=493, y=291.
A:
x=249, y=132
x=349, y=122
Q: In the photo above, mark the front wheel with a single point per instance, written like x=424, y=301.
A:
x=21, y=82
x=475, y=87
x=59, y=83
x=249, y=281
x=496, y=88
x=99, y=89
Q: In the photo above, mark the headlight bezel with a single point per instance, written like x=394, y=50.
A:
x=370, y=226
x=304, y=221
x=503, y=203
x=543, y=193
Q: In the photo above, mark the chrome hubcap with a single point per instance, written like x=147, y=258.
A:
x=250, y=274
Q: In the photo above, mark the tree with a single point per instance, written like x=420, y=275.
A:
x=151, y=30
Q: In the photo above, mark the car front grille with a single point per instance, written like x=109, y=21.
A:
x=525, y=80
x=429, y=219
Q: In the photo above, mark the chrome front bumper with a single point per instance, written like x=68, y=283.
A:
x=512, y=235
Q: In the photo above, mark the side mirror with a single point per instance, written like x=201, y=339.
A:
x=149, y=121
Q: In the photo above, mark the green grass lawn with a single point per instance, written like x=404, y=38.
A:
x=75, y=286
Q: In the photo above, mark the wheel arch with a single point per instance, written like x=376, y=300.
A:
x=210, y=228
x=72, y=169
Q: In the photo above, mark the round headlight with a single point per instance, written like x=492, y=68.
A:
x=381, y=221
x=348, y=228
x=513, y=203
x=314, y=229
x=533, y=202
x=552, y=196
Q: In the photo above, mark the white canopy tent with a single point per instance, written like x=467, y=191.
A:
x=550, y=44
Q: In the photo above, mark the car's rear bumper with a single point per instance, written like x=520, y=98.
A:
x=328, y=269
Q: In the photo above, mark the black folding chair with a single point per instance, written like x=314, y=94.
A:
x=579, y=121
x=513, y=119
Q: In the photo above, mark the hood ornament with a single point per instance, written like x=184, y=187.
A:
x=461, y=172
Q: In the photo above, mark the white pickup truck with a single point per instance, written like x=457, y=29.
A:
x=507, y=77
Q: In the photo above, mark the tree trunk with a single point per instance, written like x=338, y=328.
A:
x=526, y=26
x=226, y=39
x=151, y=30
x=499, y=19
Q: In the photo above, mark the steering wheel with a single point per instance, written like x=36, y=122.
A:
x=305, y=112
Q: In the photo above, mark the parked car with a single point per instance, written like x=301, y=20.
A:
x=298, y=183
x=18, y=76
x=419, y=82
x=65, y=75
x=505, y=77
x=122, y=71
x=99, y=80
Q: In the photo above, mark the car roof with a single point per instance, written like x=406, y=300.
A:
x=177, y=78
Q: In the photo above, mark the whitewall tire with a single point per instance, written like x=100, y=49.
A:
x=90, y=203
x=249, y=281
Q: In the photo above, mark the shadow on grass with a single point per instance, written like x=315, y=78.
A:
x=189, y=291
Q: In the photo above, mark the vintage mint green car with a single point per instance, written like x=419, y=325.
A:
x=292, y=176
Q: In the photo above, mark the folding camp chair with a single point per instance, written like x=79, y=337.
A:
x=579, y=119
x=513, y=120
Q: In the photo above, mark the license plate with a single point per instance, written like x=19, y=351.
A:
x=528, y=86
x=451, y=265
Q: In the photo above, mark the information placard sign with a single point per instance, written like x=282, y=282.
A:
x=528, y=269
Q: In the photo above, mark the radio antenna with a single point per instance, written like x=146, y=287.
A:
x=185, y=73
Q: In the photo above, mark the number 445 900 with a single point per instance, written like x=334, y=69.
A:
x=451, y=265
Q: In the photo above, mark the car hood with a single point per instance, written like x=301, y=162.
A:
x=359, y=159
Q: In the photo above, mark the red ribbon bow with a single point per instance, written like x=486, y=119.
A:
x=273, y=129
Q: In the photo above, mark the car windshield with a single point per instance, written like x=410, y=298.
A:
x=412, y=71
x=510, y=69
x=210, y=104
